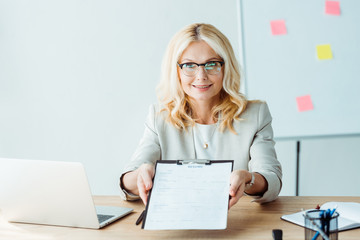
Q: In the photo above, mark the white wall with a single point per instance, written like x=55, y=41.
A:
x=286, y=153
x=77, y=77
x=330, y=167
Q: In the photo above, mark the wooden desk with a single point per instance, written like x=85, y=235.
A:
x=246, y=220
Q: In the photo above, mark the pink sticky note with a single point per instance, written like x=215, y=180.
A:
x=278, y=27
x=304, y=103
x=332, y=7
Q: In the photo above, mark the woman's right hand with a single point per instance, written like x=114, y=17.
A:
x=146, y=173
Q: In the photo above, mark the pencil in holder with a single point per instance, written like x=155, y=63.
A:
x=321, y=224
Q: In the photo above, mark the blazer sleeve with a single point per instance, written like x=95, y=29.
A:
x=148, y=151
x=263, y=157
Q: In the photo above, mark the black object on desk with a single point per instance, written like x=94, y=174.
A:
x=141, y=217
x=277, y=234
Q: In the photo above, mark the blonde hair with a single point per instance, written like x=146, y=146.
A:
x=170, y=93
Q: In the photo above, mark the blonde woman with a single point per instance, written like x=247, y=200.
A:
x=201, y=114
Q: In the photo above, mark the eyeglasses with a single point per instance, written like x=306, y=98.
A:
x=191, y=69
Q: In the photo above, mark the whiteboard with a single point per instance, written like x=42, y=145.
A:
x=279, y=68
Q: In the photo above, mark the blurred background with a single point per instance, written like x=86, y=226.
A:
x=77, y=78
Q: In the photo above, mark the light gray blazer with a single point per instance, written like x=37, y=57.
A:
x=251, y=149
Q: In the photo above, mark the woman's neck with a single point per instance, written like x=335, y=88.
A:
x=202, y=112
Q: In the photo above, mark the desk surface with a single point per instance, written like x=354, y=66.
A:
x=246, y=220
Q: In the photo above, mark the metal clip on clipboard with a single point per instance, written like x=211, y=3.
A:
x=193, y=161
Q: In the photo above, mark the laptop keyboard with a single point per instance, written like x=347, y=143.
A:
x=103, y=218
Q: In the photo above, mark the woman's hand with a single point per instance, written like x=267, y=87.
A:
x=238, y=180
x=145, y=175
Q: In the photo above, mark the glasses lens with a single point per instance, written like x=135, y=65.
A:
x=190, y=69
x=213, y=67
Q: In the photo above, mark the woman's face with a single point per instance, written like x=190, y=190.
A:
x=205, y=85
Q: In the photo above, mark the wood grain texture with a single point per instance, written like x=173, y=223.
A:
x=246, y=220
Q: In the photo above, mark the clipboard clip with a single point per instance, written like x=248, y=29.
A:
x=193, y=161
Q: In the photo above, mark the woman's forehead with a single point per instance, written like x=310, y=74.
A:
x=198, y=51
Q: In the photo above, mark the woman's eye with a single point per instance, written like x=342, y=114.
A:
x=211, y=64
x=190, y=65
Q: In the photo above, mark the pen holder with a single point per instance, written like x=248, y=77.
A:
x=318, y=223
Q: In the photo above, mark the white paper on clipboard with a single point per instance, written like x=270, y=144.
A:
x=188, y=195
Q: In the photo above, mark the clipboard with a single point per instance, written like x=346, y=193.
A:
x=189, y=194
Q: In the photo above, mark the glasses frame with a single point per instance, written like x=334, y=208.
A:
x=199, y=65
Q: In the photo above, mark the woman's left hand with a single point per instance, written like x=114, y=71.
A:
x=238, y=180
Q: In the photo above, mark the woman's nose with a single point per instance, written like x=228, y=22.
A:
x=201, y=74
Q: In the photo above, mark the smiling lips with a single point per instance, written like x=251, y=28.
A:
x=202, y=86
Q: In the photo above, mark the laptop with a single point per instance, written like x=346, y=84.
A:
x=51, y=193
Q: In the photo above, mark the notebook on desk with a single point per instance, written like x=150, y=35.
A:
x=349, y=215
x=51, y=193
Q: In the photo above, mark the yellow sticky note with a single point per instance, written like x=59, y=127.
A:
x=324, y=51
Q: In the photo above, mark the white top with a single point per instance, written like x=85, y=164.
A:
x=205, y=134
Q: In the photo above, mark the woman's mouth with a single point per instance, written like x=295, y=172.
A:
x=202, y=86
